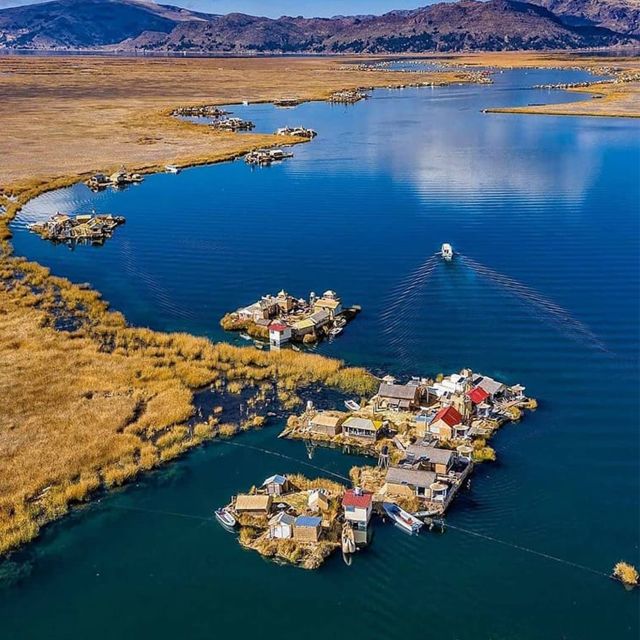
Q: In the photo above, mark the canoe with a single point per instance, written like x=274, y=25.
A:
x=224, y=517
x=402, y=518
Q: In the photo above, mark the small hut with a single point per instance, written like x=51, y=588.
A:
x=307, y=528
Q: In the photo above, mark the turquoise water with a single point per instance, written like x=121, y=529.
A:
x=544, y=212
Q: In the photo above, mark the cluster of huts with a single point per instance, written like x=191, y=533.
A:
x=202, y=111
x=348, y=96
x=263, y=157
x=314, y=516
x=85, y=228
x=232, y=124
x=284, y=318
x=120, y=178
x=290, y=513
x=426, y=433
x=298, y=132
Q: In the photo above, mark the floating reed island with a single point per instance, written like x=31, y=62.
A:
x=201, y=111
x=298, y=132
x=426, y=434
x=81, y=229
x=288, y=518
x=350, y=96
x=120, y=178
x=287, y=103
x=232, y=124
x=264, y=157
x=282, y=318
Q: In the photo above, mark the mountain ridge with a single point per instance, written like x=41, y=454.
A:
x=466, y=25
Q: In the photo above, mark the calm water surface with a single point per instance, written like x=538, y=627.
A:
x=545, y=212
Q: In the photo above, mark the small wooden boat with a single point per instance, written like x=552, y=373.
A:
x=402, y=518
x=352, y=405
x=225, y=518
x=348, y=539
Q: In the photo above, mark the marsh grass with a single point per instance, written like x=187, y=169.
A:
x=626, y=573
x=92, y=408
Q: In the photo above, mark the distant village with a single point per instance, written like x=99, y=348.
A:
x=283, y=319
x=426, y=436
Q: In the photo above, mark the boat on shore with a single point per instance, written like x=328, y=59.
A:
x=225, y=518
x=402, y=518
x=446, y=251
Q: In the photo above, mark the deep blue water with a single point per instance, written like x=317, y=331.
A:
x=545, y=213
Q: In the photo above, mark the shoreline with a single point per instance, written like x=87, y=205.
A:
x=34, y=314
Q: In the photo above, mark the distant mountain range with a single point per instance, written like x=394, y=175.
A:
x=467, y=25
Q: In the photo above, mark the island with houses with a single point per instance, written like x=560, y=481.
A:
x=283, y=318
x=426, y=436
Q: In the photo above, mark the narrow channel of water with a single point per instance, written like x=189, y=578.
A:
x=545, y=211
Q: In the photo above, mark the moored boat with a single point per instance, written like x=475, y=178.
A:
x=348, y=539
x=402, y=518
x=352, y=405
x=225, y=518
x=171, y=168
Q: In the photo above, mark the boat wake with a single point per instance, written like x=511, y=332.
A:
x=544, y=309
x=406, y=295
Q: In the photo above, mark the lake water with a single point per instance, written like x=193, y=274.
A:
x=545, y=213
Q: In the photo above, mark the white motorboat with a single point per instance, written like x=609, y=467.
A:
x=352, y=405
x=171, y=168
x=402, y=518
x=225, y=518
x=446, y=251
x=336, y=331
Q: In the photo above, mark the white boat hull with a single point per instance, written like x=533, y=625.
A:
x=402, y=518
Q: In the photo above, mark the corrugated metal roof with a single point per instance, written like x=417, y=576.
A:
x=275, y=479
x=304, y=324
x=282, y=518
x=398, y=391
x=432, y=454
x=450, y=415
x=361, y=500
x=414, y=477
x=362, y=423
x=319, y=316
x=308, y=521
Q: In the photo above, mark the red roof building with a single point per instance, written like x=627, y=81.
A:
x=359, y=500
x=278, y=326
x=478, y=395
x=449, y=415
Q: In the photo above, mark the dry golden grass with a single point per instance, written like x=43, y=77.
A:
x=92, y=408
x=69, y=116
x=626, y=573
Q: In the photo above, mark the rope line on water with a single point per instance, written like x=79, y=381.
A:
x=161, y=512
x=519, y=547
x=286, y=457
